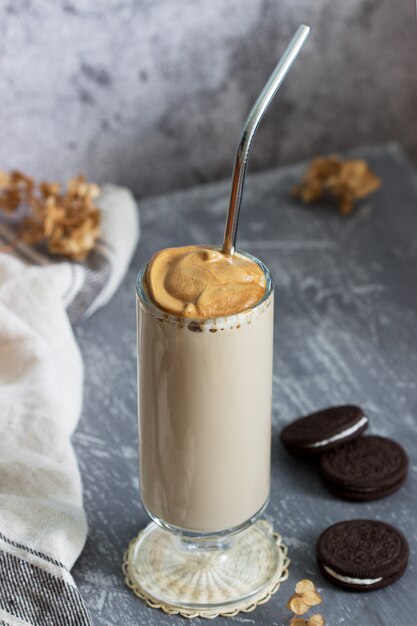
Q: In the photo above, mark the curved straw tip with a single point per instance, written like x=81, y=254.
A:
x=305, y=28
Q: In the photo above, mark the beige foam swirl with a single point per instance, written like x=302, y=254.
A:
x=201, y=282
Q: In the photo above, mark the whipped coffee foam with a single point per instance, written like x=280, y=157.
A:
x=202, y=282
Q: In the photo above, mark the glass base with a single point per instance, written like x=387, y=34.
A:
x=211, y=535
x=208, y=577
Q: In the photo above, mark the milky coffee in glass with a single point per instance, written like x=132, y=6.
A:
x=205, y=328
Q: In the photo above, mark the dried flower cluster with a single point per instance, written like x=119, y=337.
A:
x=66, y=219
x=346, y=181
x=314, y=620
x=301, y=601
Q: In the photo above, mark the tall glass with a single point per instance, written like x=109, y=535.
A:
x=205, y=390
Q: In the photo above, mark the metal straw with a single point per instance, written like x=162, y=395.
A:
x=251, y=124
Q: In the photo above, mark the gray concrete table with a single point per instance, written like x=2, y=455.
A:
x=346, y=331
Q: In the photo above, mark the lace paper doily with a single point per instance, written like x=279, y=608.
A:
x=231, y=610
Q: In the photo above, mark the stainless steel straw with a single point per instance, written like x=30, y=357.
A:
x=249, y=129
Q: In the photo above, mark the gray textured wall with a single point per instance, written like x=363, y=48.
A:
x=152, y=93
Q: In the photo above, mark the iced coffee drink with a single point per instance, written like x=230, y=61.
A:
x=205, y=328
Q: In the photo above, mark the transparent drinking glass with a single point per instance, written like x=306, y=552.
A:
x=205, y=392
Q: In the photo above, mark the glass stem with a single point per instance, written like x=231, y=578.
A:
x=194, y=544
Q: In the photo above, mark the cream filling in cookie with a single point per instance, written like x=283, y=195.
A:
x=344, y=433
x=351, y=581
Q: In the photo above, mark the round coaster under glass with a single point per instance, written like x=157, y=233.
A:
x=207, y=578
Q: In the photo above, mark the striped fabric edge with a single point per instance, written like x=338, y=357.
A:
x=21, y=547
x=12, y=244
x=6, y=619
x=37, y=590
x=87, y=279
x=97, y=270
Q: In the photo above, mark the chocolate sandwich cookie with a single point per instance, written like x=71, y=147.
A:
x=362, y=555
x=365, y=469
x=320, y=431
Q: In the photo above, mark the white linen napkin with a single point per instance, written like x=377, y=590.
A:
x=42, y=522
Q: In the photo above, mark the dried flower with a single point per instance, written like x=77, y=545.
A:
x=304, y=585
x=68, y=221
x=305, y=596
x=15, y=188
x=297, y=605
x=314, y=620
x=347, y=181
